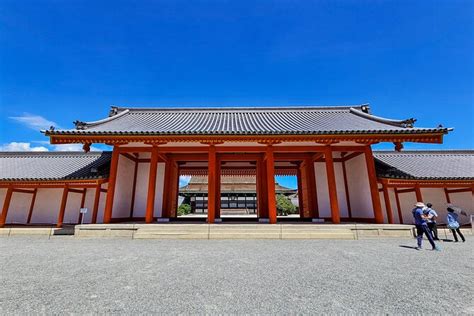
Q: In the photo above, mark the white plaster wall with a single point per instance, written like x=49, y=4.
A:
x=141, y=191
x=123, y=188
x=19, y=207
x=359, y=187
x=71, y=214
x=47, y=204
x=434, y=196
x=341, y=190
x=407, y=202
x=160, y=183
x=322, y=189
x=464, y=200
x=89, y=204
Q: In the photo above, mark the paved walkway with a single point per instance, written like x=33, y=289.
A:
x=68, y=275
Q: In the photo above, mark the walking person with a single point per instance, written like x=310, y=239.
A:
x=422, y=226
x=453, y=224
x=431, y=220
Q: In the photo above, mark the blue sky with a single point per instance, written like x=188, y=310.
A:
x=67, y=60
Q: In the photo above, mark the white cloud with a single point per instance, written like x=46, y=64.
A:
x=19, y=146
x=33, y=121
x=24, y=146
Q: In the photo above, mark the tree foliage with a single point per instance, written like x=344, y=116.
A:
x=184, y=209
x=284, y=205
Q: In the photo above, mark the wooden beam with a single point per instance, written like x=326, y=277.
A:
x=109, y=202
x=419, y=196
x=95, y=210
x=446, y=193
x=331, y=178
x=133, y=149
x=134, y=188
x=346, y=189
x=459, y=190
x=62, y=208
x=374, y=192
x=23, y=191
x=353, y=155
x=399, y=208
x=32, y=205
x=211, y=189
x=249, y=149
x=270, y=167
x=150, y=201
x=388, y=206
x=406, y=190
x=6, y=206
x=129, y=156
x=76, y=191
x=47, y=186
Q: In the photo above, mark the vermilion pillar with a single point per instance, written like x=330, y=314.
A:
x=62, y=209
x=150, y=201
x=6, y=205
x=95, y=210
x=331, y=177
x=212, y=180
x=218, y=189
x=300, y=192
x=165, y=212
x=374, y=190
x=109, y=202
x=270, y=163
x=388, y=206
x=399, y=208
x=262, y=189
x=32, y=205
x=311, y=186
x=419, y=196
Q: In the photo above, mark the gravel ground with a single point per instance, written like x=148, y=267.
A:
x=67, y=275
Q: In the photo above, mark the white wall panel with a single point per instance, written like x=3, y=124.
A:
x=359, y=187
x=19, y=207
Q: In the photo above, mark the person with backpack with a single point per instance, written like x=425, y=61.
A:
x=422, y=226
x=453, y=224
x=431, y=220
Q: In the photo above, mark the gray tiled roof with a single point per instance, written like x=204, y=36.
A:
x=455, y=165
x=27, y=166
x=244, y=121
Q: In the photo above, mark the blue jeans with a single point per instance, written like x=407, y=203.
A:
x=423, y=229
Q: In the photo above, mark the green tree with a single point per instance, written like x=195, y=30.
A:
x=184, y=209
x=284, y=205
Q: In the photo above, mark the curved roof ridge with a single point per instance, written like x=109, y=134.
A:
x=114, y=114
x=400, y=123
x=243, y=108
x=53, y=153
x=426, y=151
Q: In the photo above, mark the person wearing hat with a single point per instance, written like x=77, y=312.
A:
x=422, y=226
x=431, y=220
